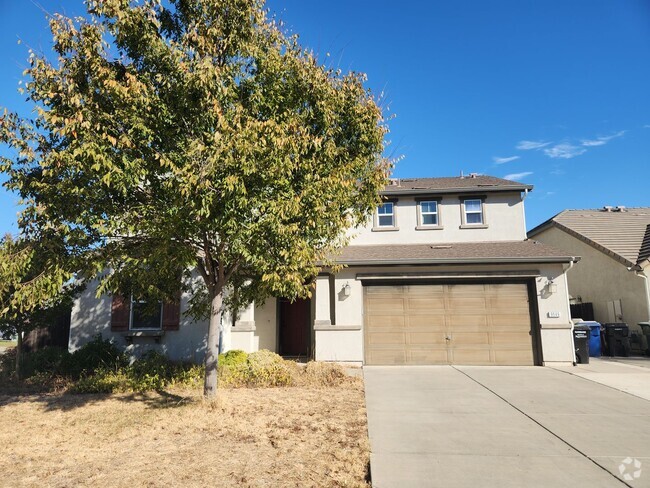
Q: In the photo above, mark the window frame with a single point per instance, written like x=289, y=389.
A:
x=464, y=212
x=376, y=226
x=135, y=301
x=420, y=215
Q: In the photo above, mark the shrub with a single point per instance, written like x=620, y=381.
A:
x=8, y=363
x=102, y=381
x=233, y=358
x=93, y=356
x=49, y=360
x=266, y=368
x=154, y=371
x=318, y=373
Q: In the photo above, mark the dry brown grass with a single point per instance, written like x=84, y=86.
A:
x=248, y=437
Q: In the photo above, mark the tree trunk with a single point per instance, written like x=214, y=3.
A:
x=212, y=347
x=19, y=356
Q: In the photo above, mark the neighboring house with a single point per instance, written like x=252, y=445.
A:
x=441, y=274
x=614, y=243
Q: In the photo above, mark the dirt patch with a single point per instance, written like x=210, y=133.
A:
x=247, y=437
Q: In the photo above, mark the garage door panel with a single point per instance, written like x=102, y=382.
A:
x=424, y=290
x=380, y=320
x=432, y=321
x=469, y=304
x=387, y=356
x=428, y=356
x=485, y=324
x=390, y=338
x=510, y=321
x=467, y=322
x=386, y=305
x=466, y=290
x=513, y=357
x=470, y=356
x=511, y=338
x=423, y=339
x=460, y=339
x=424, y=304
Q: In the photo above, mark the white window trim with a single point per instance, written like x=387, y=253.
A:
x=465, y=212
x=421, y=225
x=160, y=326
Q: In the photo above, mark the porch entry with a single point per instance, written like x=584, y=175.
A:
x=295, y=327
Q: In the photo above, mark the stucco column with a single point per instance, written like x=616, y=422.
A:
x=322, y=302
x=243, y=332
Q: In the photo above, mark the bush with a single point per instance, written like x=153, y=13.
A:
x=266, y=368
x=102, y=381
x=8, y=363
x=49, y=360
x=233, y=358
x=154, y=371
x=93, y=356
x=324, y=374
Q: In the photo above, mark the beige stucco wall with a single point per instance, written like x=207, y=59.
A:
x=504, y=216
x=598, y=278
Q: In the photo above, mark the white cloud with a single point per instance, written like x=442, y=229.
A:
x=527, y=145
x=601, y=141
x=564, y=150
x=499, y=160
x=517, y=176
x=647, y=126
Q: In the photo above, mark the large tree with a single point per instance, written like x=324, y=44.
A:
x=35, y=287
x=194, y=134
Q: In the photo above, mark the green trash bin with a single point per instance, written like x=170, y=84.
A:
x=645, y=330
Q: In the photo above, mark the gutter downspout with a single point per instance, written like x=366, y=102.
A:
x=568, y=305
x=641, y=274
x=523, y=212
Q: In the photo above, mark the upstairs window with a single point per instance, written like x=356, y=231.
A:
x=386, y=215
x=429, y=212
x=473, y=212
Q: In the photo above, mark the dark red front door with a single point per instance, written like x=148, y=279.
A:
x=294, y=327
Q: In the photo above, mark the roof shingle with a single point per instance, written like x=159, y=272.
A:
x=624, y=233
x=454, y=252
x=470, y=183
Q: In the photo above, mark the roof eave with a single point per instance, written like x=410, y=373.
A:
x=430, y=261
x=474, y=189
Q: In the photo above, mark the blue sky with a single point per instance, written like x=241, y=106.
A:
x=553, y=93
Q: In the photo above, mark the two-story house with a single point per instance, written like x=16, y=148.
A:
x=441, y=274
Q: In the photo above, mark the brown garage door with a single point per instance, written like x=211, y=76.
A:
x=448, y=324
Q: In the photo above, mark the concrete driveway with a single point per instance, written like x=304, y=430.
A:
x=452, y=426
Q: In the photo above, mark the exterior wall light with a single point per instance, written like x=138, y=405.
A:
x=551, y=287
x=347, y=289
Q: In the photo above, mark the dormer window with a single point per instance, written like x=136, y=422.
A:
x=386, y=215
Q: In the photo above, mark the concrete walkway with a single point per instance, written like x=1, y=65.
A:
x=629, y=375
x=444, y=426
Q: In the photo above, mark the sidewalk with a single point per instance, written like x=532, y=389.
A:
x=616, y=373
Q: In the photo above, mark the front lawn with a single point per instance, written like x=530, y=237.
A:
x=7, y=344
x=257, y=437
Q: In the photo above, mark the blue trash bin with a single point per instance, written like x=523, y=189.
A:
x=594, y=338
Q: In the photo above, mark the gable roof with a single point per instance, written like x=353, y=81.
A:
x=527, y=251
x=624, y=234
x=455, y=184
